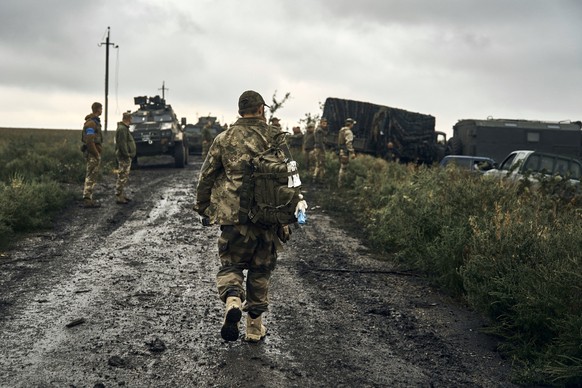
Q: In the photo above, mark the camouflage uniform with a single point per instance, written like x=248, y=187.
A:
x=346, y=150
x=93, y=142
x=319, y=153
x=308, y=145
x=295, y=141
x=240, y=246
x=125, y=152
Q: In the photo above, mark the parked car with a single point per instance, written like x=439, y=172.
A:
x=478, y=164
x=535, y=165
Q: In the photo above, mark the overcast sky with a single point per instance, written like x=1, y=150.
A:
x=453, y=59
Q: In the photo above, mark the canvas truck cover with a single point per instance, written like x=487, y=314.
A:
x=412, y=134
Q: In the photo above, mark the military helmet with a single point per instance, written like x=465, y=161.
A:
x=351, y=121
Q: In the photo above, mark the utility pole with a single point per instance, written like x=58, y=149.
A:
x=107, y=44
x=163, y=89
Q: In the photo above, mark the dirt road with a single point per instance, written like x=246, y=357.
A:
x=135, y=285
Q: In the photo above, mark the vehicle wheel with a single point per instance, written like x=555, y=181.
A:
x=455, y=146
x=179, y=155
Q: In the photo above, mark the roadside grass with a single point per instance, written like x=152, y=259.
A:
x=41, y=172
x=510, y=252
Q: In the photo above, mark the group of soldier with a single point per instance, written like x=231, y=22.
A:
x=125, y=150
x=311, y=145
x=242, y=245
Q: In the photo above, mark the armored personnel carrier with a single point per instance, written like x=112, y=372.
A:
x=384, y=131
x=157, y=131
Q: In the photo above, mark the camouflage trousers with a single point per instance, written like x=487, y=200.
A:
x=243, y=247
x=344, y=160
x=123, y=167
x=309, y=161
x=318, y=156
x=91, y=175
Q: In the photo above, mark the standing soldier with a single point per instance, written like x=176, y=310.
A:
x=206, y=138
x=275, y=122
x=295, y=141
x=92, y=147
x=242, y=245
x=319, y=150
x=346, y=148
x=308, y=145
x=125, y=152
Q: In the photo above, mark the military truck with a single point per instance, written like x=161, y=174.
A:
x=496, y=138
x=411, y=135
x=157, y=131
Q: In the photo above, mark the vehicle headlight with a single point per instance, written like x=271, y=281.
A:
x=132, y=128
x=166, y=126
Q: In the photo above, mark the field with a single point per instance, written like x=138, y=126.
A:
x=509, y=252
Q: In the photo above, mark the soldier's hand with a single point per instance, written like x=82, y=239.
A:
x=353, y=155
x=205, y=221
x=284, y=233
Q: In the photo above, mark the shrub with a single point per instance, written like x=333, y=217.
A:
x=512, y=252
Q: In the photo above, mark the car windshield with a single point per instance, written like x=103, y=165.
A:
x=162, y=118
x=465, y=162
x=138, y=119
x=192, y=129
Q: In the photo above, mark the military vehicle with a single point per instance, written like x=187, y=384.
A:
x=496, y=138
x=157, y=131
x=411, y=135
x=194, y=133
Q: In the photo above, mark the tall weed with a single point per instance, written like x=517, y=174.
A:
x=510, y=251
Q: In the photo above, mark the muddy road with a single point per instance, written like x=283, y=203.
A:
x=125, y=296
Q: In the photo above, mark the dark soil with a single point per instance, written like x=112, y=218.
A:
x=125, y=295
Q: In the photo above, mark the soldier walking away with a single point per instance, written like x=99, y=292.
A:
x=206, y=133
x=319, y=151
x=346, y=148
x=92, y=147
x=125, y=152
x=242, y=244
x=308, y=145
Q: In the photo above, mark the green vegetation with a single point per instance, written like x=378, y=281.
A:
x=41, y=171
x=510, y=252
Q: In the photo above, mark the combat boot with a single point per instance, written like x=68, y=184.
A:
x=256, y=331
x=233, y=314
x=121, y=200
x=89, y=203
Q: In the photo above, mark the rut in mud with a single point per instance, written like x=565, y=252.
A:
x=125, y=296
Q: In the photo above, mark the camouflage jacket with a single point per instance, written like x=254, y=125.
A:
x=124, y=143
x=308, y=141
x=206, y=134
x=91, y=135
x=217, y=193
x=345, y=140
x=295, y=140
x=320, y=138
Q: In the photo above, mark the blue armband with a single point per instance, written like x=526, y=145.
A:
x=89, y=131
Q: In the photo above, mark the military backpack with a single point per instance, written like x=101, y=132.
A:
x=270, y=189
